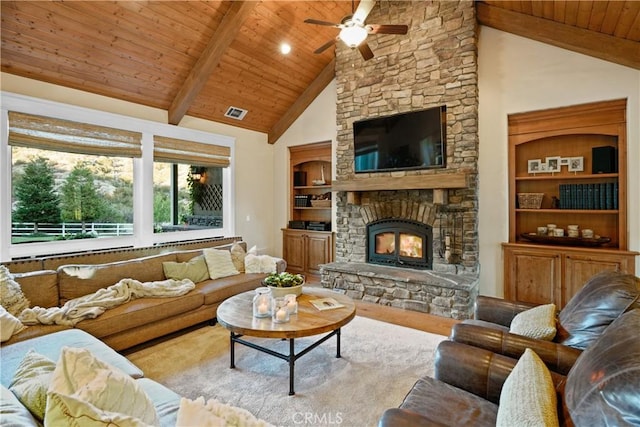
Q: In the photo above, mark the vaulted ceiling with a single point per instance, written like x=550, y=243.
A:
x=199, y=58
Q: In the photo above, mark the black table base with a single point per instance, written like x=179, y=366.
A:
x=291, y=357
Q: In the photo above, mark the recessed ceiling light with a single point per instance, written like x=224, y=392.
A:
x=285, y=48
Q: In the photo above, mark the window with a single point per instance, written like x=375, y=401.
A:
x=69, y=196
x=188, y=184
x=103, y=180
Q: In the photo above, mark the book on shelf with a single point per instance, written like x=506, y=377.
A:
x=325, y=303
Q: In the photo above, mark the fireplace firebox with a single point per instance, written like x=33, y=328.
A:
x=401, y=243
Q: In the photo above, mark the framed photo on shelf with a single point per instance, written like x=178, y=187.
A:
x=553, y=164
x=533, y=166
x=576, y=164
x=564, y=161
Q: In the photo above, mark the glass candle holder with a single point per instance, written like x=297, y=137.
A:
x=292, y=304
x=279, y=311
x=262, y=302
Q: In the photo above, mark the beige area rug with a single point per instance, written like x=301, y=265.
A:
x=379, y=364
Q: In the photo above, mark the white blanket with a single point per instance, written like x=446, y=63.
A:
x=93, y=305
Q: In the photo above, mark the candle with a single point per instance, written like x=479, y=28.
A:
x=262, y=308
x=292, y=306
x=281, y=315
x=447, y=241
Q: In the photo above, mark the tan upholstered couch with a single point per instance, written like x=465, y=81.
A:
x=139, y=320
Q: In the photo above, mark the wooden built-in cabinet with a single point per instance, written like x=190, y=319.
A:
x=306, y=250
x=310, y=206
x=545, y=272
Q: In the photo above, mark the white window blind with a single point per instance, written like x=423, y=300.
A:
x=171, y=150
x=47, y=133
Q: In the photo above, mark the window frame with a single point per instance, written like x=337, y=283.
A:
x=143, y=234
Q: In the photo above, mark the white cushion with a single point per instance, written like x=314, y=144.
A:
x=538, y=322
x=9, y=325
x=31, y=381
x=528, y=396
x=214, y=413
x=11, y=296
x=260, y=264
x=219, y=263
x=85, y=391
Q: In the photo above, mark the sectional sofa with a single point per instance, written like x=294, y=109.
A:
x=119, y=328
x=139, y=320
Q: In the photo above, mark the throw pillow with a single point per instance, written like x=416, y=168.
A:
x=11, y=296
x=259, y=264
x=214, y=413
x=528, y=396
x=237, y=256
x=86, y=391
x=538, y=322
x=31, y=381
x=219, y=263
x=9, y=325
x=195, y=269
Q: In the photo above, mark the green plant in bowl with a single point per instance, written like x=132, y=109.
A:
x=284, y=283
x=284, y=280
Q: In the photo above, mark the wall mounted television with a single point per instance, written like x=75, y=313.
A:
x=405, y=141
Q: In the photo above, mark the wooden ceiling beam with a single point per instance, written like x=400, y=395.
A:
x=210, y=58
x=310, y=93
x=618, y=50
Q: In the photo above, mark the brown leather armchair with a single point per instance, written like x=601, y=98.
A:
x=600, y=389
x=599, y=302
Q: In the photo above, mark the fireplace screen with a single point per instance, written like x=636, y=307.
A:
x=400, y=243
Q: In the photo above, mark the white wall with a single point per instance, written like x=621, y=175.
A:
x=516, y=75
x=254, y=163
x=316, y=124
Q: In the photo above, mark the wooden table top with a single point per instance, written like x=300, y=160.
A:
x=236, y=314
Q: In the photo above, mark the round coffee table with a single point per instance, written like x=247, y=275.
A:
x=236, y=315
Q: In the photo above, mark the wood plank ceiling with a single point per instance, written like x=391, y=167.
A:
x=202, y=57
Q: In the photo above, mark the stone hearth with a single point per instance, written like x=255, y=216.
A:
x=442, y=294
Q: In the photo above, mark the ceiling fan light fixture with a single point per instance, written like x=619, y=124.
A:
x=353, y=35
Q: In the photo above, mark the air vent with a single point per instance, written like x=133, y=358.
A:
x=235, y=113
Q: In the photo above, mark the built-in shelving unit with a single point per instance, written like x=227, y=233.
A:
x=543, y=273
x=305, y=246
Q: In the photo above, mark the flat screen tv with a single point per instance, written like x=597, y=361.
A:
x=405, y=141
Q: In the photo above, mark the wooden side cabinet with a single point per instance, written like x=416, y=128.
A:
x=306, y=250
x=549, y=274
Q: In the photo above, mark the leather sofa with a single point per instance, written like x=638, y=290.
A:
x=139, y=320
x=604, y=298
x=600, y=389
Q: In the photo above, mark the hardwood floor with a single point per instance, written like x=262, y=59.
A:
x=398, y=316
x=409, y=318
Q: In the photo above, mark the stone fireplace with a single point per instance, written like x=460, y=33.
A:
x=434, y=65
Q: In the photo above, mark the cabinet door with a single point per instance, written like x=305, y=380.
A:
x=294, y=251
x=319, y=250
x=532, y=276
x=581, y=267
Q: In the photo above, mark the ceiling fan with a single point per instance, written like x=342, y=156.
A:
x=354, y=30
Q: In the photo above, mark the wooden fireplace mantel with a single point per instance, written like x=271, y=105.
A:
x=439, y=183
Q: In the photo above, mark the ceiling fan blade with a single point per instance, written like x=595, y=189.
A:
x=365, y=51
x=363, y=10
x=326, y=46
x=387, y=29
x=318, y=22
